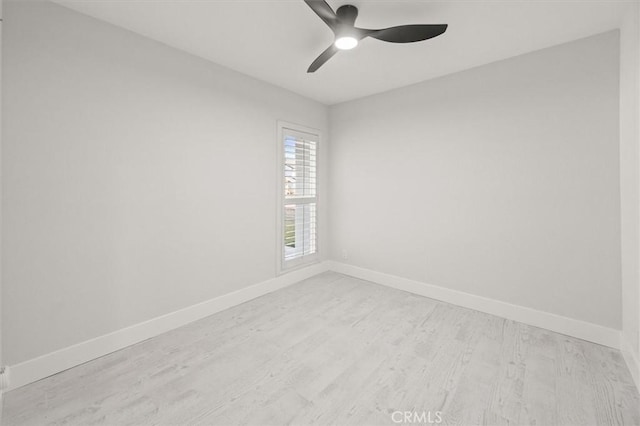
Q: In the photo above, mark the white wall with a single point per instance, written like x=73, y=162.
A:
x=630, y=185
x=500, y=181
x=137, y=179
x=1, y=359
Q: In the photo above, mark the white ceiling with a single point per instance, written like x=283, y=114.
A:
x=276, y=40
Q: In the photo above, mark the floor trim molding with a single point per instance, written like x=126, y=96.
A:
x=46, y=365
x=63, y=359
x=632, y=360
x=564, y=325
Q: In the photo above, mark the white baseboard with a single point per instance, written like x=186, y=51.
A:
x=632, y=360
x=63, y=359
x=564, y=325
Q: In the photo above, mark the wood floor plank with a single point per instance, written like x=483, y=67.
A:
x=334, y=350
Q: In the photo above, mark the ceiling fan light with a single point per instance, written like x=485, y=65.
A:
x=346, y=42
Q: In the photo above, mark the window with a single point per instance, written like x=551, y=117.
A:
x=298, y=208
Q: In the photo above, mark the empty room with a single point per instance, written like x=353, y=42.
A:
x=310, y=212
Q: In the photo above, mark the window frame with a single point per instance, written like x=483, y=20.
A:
x=283, y=265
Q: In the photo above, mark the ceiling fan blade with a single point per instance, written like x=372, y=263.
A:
x=407, y=33
x=324, y=57
x=324, y=11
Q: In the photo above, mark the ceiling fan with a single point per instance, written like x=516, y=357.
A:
x=347, y=35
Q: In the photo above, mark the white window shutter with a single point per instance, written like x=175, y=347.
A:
x=299, y=198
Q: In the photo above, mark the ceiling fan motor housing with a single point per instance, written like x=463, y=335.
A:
x=347, y=14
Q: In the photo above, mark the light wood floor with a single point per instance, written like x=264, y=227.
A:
x=334, y=350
